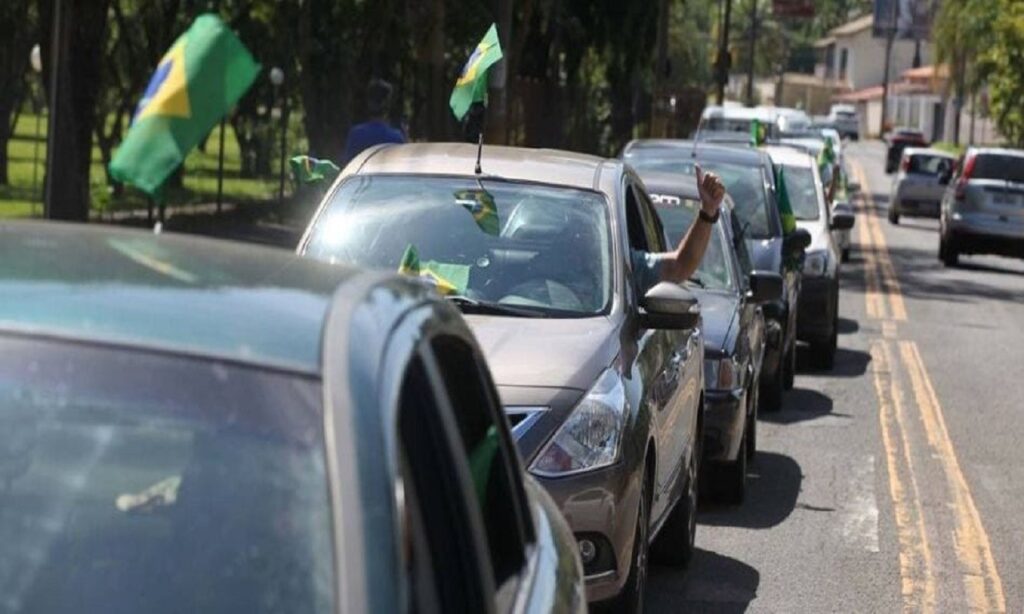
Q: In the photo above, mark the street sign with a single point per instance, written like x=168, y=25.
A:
x=793, y=8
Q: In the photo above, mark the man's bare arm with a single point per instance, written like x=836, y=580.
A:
x=679, y=265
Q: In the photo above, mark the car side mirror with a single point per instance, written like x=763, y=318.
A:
x=842, y=217
x=669, y=306
x=765, y=287
x=796, y=242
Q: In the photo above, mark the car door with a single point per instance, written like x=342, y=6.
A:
x=670, y=379
x=751, y=313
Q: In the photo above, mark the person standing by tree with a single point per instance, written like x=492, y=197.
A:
x=376, y=130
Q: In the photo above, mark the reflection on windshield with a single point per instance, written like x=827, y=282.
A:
x=744, y=184
x=527, y=245
x=677, y=217
x=803, y=193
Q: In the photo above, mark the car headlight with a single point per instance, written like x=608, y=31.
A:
x=815, y=263
x=591, y=436
x=720, y=374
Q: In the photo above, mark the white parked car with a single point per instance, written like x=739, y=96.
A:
x=917, y=188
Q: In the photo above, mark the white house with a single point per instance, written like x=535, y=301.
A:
x=855, y=59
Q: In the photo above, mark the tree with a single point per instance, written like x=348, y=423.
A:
x=17, y=30
x=1004, y=64
x=961, y=28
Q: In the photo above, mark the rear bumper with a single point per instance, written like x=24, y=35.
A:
x=912, y=206
x=985, y=234
x=817, y=308
x=725, y=415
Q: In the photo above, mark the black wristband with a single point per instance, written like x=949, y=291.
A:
x=710, y=219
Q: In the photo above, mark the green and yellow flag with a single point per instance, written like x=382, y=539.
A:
x=446, y=278
x=196, y=83
x=472, y=84
x=827, y=156
x=757, y=133
x=307, y=169
x=482, y=207
x=785, y=207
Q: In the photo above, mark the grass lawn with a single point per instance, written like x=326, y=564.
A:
x=23, y=196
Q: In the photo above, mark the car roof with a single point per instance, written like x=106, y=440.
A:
x=169, y=292
x=550, y=166
x=1002, y=151
x=913, y=151
x=705, y=151
x=789, y=156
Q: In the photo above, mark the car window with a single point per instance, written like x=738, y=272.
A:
x=635, y=221
x=928, y=164
x=542, y=247
x=678, y=214
x=802, y=188
x=489, y=452
x=739, y=245
x=125, y=491
x=443, y=538
x=653, y=232
x=999, y=166
x=743, y=182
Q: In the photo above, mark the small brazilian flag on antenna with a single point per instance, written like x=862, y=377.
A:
x=785, y=206
x=757, y=133
x=307, y=169
x=472, y=84
x=195, y=84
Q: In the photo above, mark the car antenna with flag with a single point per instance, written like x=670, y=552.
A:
x=696, y=138
x=470, y=90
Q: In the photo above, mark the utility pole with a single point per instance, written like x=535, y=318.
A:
x=753, y=48
x=889, y=38
x=497, y=122
x=724, y=60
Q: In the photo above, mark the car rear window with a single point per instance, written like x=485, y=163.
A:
x=137, y=482
x=928, y=164
x=999, y=166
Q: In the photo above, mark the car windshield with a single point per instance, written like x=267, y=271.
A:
x=803, y=192
x=927, y=164
x=124, y=490
x=1000, y=167
x=543, y=249
x=677, y=215
x=743, y=182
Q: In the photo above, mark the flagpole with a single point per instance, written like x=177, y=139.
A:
x=220, y=165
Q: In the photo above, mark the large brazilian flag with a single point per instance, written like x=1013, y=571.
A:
x=196, y=83
x=472, y=84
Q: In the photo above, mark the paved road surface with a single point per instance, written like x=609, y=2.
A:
x=894, y=482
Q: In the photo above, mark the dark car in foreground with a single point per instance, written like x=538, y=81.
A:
x=818, y=322
x=750, y=182
x=731, y=296
x=603, y=385
x=983, y=206
x=192, y=426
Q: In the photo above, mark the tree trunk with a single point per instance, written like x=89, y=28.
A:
x=74, y=30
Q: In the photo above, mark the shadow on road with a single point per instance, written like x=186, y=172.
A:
x=773, y=484
x=801, y=405
x=714, y=583
x=848, y=363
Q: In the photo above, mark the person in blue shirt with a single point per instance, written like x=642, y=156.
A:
x=376, y=130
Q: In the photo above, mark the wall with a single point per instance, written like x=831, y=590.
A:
x=866, y=63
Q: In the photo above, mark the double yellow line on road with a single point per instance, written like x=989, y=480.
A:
x=919, y=527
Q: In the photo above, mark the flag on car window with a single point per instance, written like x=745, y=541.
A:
x=307, y=169
x=482, y=207
x=785, y=207
x=472, y=84
x=757, y=133
x=445, y=278
x=826, y=157
x=195, y=84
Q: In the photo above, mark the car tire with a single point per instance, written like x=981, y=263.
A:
x=731, y=482
x=823, y=351
x=631, y=599
x=845, y=255
x=751, y=449
x=894, y=216
x=675, y=543
x=948, y=252
x=770, y=395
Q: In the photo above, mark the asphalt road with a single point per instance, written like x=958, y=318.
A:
x=894, y=482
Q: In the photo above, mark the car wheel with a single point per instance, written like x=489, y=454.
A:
x=823, y=351
x=751, y=450
x=948, y=252
x=732, y=478
x=790, y=371
x=631, y=599
x=846, y=255
x=770, y=395
x=674, y=544
x=894, y=215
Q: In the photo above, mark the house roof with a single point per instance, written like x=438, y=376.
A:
x=853, y=27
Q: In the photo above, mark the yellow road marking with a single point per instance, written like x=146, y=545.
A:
x=876, y=257
x=916, y=572
x=982, y=583
x=874, y=304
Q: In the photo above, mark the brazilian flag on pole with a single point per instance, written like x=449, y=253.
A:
x=472, y=84
x=196, y=83
x=785, y=206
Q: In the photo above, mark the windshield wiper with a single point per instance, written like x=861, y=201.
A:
x=469, y=305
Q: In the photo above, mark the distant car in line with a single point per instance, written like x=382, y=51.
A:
x=198, y=426
x=604, y=386
x=731, y=295
x=749, y=179
x=983, y=206
x=916, y=188
x=896, y=141
x=818, y=322
x=843, y=117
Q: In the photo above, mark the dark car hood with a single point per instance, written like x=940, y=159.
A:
x=766, y=254
x=546, y=352
x=718, y=310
